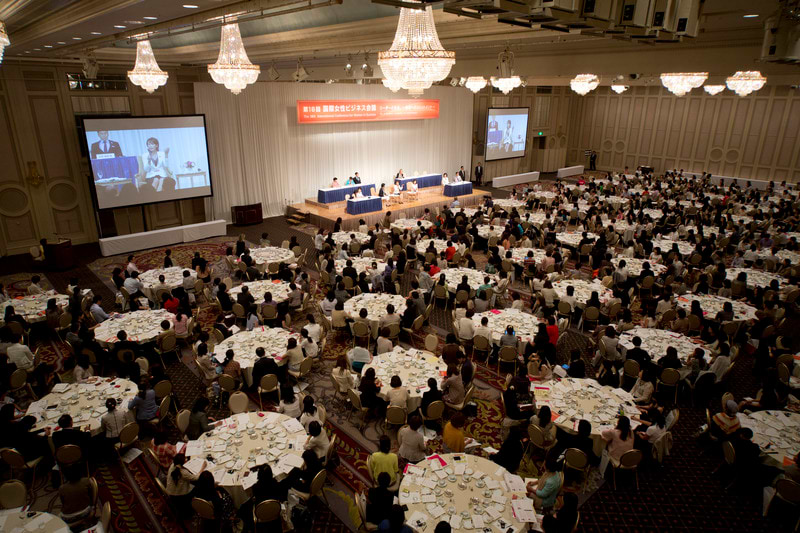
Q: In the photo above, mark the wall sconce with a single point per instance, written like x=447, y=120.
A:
x=33, y=177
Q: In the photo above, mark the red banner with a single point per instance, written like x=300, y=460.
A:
x=327, y=111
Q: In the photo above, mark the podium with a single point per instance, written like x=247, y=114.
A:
x=59, y=256
x=246, y=214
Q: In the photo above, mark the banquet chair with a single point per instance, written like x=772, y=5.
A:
x=239, y=312
x=564, y=312
x=316, y=489
x=415, y=326
x=787, y=492
x=163, y=411
x=537, y=446
x=630, y=373
x=13, y=494
x=431, y=342
x=575, y=459
x=628, y=461
x=507, y=354
x=238, y=402
x=68, y=455
x=228, y=283
x=16, y=461
x=127, y=438
x=204, y=511
x=182, y=422
x=434, y=412
x=105, y=518
x=728, y=464
x=355, y=403
x=591, y=315
x=361, y=503
x=304, y=370
x=667, y=383
x=126, y=298
x=160, y=296
x=695, y=326
x=338, y=396
x=161, y=472
x=64, y=322
x=266, y=512
x=480, y=344
x=467, y=398
x=331, y=449
x=361, y=331
x=19, y=381
x=394, y=332
x=440, y=293
x=395, y=416
x=166, y=344
x=269, y=383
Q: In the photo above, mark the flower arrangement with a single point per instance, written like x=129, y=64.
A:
x=189, y=165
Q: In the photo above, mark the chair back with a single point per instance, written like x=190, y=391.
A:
x=480, y=343
x=168, y=342
x=435, y=410
x=269, y=312
x=318, y=483
x=631, y=368
x=268, y=383
x=163, y=388
x=360, y=329
x=788, y=490
x=129, y=434
x=670, y=377
x=331, y=448
x=508, y=354
x=440, y=291
x=536, y=435
x=431, y=342
x=575, y=458
x=591, y=313
x=163, y=408
x=694, y=322
x=18, y=378
x=728, y=452
x=564, y=308
x=105, y=517
x=160, y=295
x=783, y=373
x=418, y=322
x=305, y=366
x=182, y=420
x=238, y=310
x=69, y=454
x=203, y=508
x=227, y=383
x=267, y=511
x=12, y=494
x=199, y=286
x=462, y=296
x=238, y=402
x=355, y=399
x=65, y=320
x=395, y=415
x=674, y=419
x=631, y=459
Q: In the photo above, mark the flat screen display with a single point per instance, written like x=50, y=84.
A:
x=506, y=133
x=143, y=160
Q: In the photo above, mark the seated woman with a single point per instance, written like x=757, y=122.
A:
x=75, y=494
x=545, y=490
x=300, y=479
x=453, y=439
x=412, y=444
x=510, y=454
x=206, y=488
x=384, y=461
x=379, y=499
x=180, y=484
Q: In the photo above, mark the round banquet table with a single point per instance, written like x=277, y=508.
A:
x=573, y=238
x=173, y=278
x=518, y=255
x=439, y=244
x=684, y=248
x=84, y=402
x=583, y=290
x=793, y=257
x=755, y=278
x=245, y=343
x=430, y=498
x=525, y=324
x=780, y=430
x=507, y=203
x=279, y=289
x=484, y=229
x=712, y=304
x=413, y=366
x=572, y=400
x=343, y=237
x=361, y=264
x=468, y=212
x=262, y=257
x=656, y=341
x=634, y=266
x=243, y=442
x=411, y=224
x=32, y=308
x=141, y=326
x=376, y=307
x=474, y=277
x=14, y=521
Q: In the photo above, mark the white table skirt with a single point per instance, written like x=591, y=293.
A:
x=515, y=179
x=161, y=237
x=569, y=171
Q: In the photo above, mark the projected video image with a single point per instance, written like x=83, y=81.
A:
x=506, y=133
x=146, y=160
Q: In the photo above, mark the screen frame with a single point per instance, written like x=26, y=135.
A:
x=486, y=134
x=92, y=187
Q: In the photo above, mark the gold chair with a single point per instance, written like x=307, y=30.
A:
x=355, y=402
x=269, y=383
x=368, y=527
x=182, y=421
x=68, y=455
x=266, y=512
x=669, y=379
x=304, y=370
x=788, y=492
x=204, y=510
x=19, y=381
x=431, y=342
x=575, y=459
x=105, y=518
x=508, y=354
x=238, y=402
x=440, y=293
x=316, y=489
x=361, y=330
x=127, y=438
x=628, y=461
x=480, y=344
x=395, y=416
x=467, y=398
x=13, y=494
x=16, y=461
x=434, y=412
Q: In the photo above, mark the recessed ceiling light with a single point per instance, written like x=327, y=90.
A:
x=37, y=49
x=27, y=51
x=190, y=6
x=134, y=22
x=48, y=46
x=119, y=26
x=95, y=33
x=61, y=42
x=150, y=18
x=750, y=16
x=76, y=38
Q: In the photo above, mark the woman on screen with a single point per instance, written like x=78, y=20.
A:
x=508, y=137
x=155, y=166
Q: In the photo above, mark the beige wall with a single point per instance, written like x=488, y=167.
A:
x=37, y=123
x=751, y=137
x=548, y=113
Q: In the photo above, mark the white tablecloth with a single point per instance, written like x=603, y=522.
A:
x=361, y=264
x=16, y=521
x=583, y=290
x=411, y=224
x=245, y=343
x=712, y=305
x=173, y=278
x=141, y=326
x=161, y=237
x=32, y=308
x=271, y=254
x=634, y=265
x=656, y=341
x=475, y=278
x=525, y=324
x=780, y=430
x=439, y=244
x=413, y=367
x=343, y=237
x=376, y=307
x=279, y=289
x=755, y=278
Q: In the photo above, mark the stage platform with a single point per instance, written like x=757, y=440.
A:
x=325, y=215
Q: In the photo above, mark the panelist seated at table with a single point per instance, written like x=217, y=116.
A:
x=358, y=193
x=445, y=179
x=412, y=189
x=105, y=146
x=399, y=175
x=334, y=184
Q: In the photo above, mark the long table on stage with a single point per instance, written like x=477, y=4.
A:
x=458, y=189
x=337, y=194
x=357, y=206
x=428, y=180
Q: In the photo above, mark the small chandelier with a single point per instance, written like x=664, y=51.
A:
x=680, y=83
x=713, y=89
x=619, y=89
x=4, y=41
x=391, y=85
x=417, y=58
x=146, y=73
x=475, y=83
x=233, y=69
x=506, y=84
x=584, y=83
x=746, y=82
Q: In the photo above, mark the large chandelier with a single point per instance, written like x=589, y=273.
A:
x=506, y=84
x=680, y=83
x=233, y=69
x=146, y=73
x=746, y=82
x=4, y=41
x=584, y=83
x=391, y=85
x=475, y=83
x=713, y=89
x=416, y=59
x=619, y=89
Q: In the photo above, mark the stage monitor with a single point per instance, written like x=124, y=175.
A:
x=506, y=133
x=144, y=160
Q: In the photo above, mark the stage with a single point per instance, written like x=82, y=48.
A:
x=325, y=215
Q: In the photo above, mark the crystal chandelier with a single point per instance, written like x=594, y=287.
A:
x=233, y=69
x=506, y=84
x=4, y=41
x=619, y=89
x=713, y=89
x=680, y=83
x=416, y=59
x=584, y=83
x=475, y=83
x=746, y=82
x=146, y=73
x=391, y=85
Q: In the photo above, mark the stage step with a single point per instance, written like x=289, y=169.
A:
x=296, y=216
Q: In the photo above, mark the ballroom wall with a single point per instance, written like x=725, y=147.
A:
x=751, y=137
x=259, y=153
x=38, y=124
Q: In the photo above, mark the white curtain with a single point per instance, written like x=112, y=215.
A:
x=259, y=153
